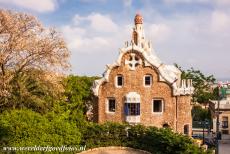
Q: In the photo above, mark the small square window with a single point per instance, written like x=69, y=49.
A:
x=148, y=80
x=157, y=106
x=111, y=105
x=119, y=81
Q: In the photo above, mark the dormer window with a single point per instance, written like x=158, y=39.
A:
x=147, y=80
x=119, y=81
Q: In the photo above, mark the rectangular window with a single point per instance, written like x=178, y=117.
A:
x=225, y=122
x=132, y=108
x=225, y=132
x=186, y=129
x=157, y=105
x=148, y=80
x=111, y=105
x=119, y=80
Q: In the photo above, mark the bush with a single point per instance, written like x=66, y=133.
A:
x=28, y=128
x=96, y=135
x=152, y=139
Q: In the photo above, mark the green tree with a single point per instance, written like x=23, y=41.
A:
x=199, y=114
x=76, y=99
x=202, y=84
x=33, y=90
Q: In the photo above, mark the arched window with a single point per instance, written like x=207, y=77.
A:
x=165, y=125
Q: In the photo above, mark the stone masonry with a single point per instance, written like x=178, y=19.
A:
x=166, y=85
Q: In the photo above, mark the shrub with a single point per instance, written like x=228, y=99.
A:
x=28, y=128
x=152, y=139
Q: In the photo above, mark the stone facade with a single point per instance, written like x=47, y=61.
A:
x=144, y=79
x=224, y=111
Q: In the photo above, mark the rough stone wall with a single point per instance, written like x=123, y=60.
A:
x=134, y=82
x=95, y=109
x=184, y=113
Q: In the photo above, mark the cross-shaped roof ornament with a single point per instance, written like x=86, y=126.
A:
x=133, y=62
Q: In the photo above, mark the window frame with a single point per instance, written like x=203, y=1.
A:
x=162, y=105
x=108, y=105
x=144, y=80
x=116, y=81
x=186, y=129
x=225, y=131
x=132, y=109
x=225, y=122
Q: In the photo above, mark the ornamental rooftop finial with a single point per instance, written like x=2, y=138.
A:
x=138, y=19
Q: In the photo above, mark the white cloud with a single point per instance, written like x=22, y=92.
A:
x=91, y=34
x=89, y=1
x=127, y=3
x=212, y=2
x=222, y=2
x=220, y=21
x=158, y=32
x=191, y=40
x=102, y=23
x=197, y=40
x=97, y=33
x=97, y=21
x=186, y=1
x=39, y=6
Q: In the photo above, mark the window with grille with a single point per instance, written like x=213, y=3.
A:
x=225, y=132
x=132, y=108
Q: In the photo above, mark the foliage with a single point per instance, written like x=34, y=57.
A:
x=28, y=128
x=200, y=114
x=24, y=46
x=150, y=139
x=202, y=84
x=78, y=95
x=65, y=124
x=58, y=125
x=28, y=90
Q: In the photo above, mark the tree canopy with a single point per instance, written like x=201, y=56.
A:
x=202, y=84
x=26, y=48
x=38, y=106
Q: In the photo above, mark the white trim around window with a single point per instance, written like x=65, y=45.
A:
x=147, y=80
x=110, y=105
x=119, y=81
x=159, y=104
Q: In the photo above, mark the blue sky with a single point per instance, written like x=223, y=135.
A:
x=191, y=33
